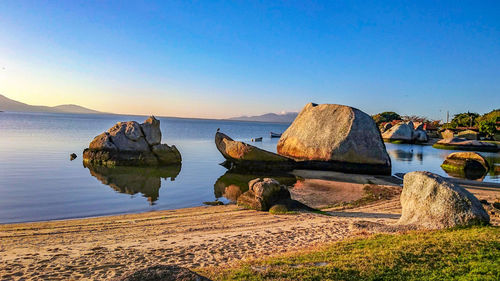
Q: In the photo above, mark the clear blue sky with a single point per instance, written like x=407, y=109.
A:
x=229, y=58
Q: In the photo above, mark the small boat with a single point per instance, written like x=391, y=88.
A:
x=275, y=135
x=257, y=139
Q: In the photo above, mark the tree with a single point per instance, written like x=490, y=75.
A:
x=415, y=118
x=488, y=127
x=466, y=119
x=387, y=116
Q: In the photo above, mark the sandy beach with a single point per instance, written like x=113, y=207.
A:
x=105, y=247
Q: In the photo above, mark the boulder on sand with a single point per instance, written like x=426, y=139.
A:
x=335, y=137
x=249, y=157
x=431, y=202
x=470, y=165
x=465, y=144
x=263, y=194
x=131, y=144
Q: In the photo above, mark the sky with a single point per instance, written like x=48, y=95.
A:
x=218, y=59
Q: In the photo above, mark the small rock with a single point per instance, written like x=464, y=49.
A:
x=213, y=203
x=262, y=194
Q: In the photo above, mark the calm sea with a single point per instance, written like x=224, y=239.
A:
x=39, y=182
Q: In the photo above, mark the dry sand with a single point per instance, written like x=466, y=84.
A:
x=106, y=247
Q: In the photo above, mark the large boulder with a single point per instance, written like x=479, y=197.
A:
x=249, y=157
x=465, y=144
x=401, y=132
x=470, y=165
x=335, y=137
x=263, y=194
x=431, y=202
x=131, y=144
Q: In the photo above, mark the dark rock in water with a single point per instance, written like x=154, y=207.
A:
x=249, y=157
x=465, y=144
x=262, y=194
x=72, y=156
x=469, y=165
x=335, y=137
x=131, y=144
x=432, y=202
x=163, y=273
x=213, y=203
x=133, y=180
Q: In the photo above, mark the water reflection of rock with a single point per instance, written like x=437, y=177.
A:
x=232, y=184
x=407, y=155
x=133, y=180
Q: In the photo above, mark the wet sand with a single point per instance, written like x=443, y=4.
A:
x=105, y=247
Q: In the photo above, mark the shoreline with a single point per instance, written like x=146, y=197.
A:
x=393, y=180
x=101, y=248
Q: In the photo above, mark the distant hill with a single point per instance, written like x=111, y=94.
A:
x=7, y=104
x=269, y=117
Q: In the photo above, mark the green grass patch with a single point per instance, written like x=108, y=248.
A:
x=457, y=254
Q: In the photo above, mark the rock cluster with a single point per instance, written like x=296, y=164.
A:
x=405, y=133
x=131, y=143
x=465, y=144
x=431, y=202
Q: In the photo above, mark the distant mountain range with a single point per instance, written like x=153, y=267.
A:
x=269, y=117
x=7, y=104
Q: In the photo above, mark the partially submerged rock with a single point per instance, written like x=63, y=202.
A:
x=468, y=134
x=131, y=144
x=163, y=273
x=465, y=144
x=431, y=202
x=231, y=185
x=250, y=157
x=335, y=137
x=263, y=194
x=470, y=165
